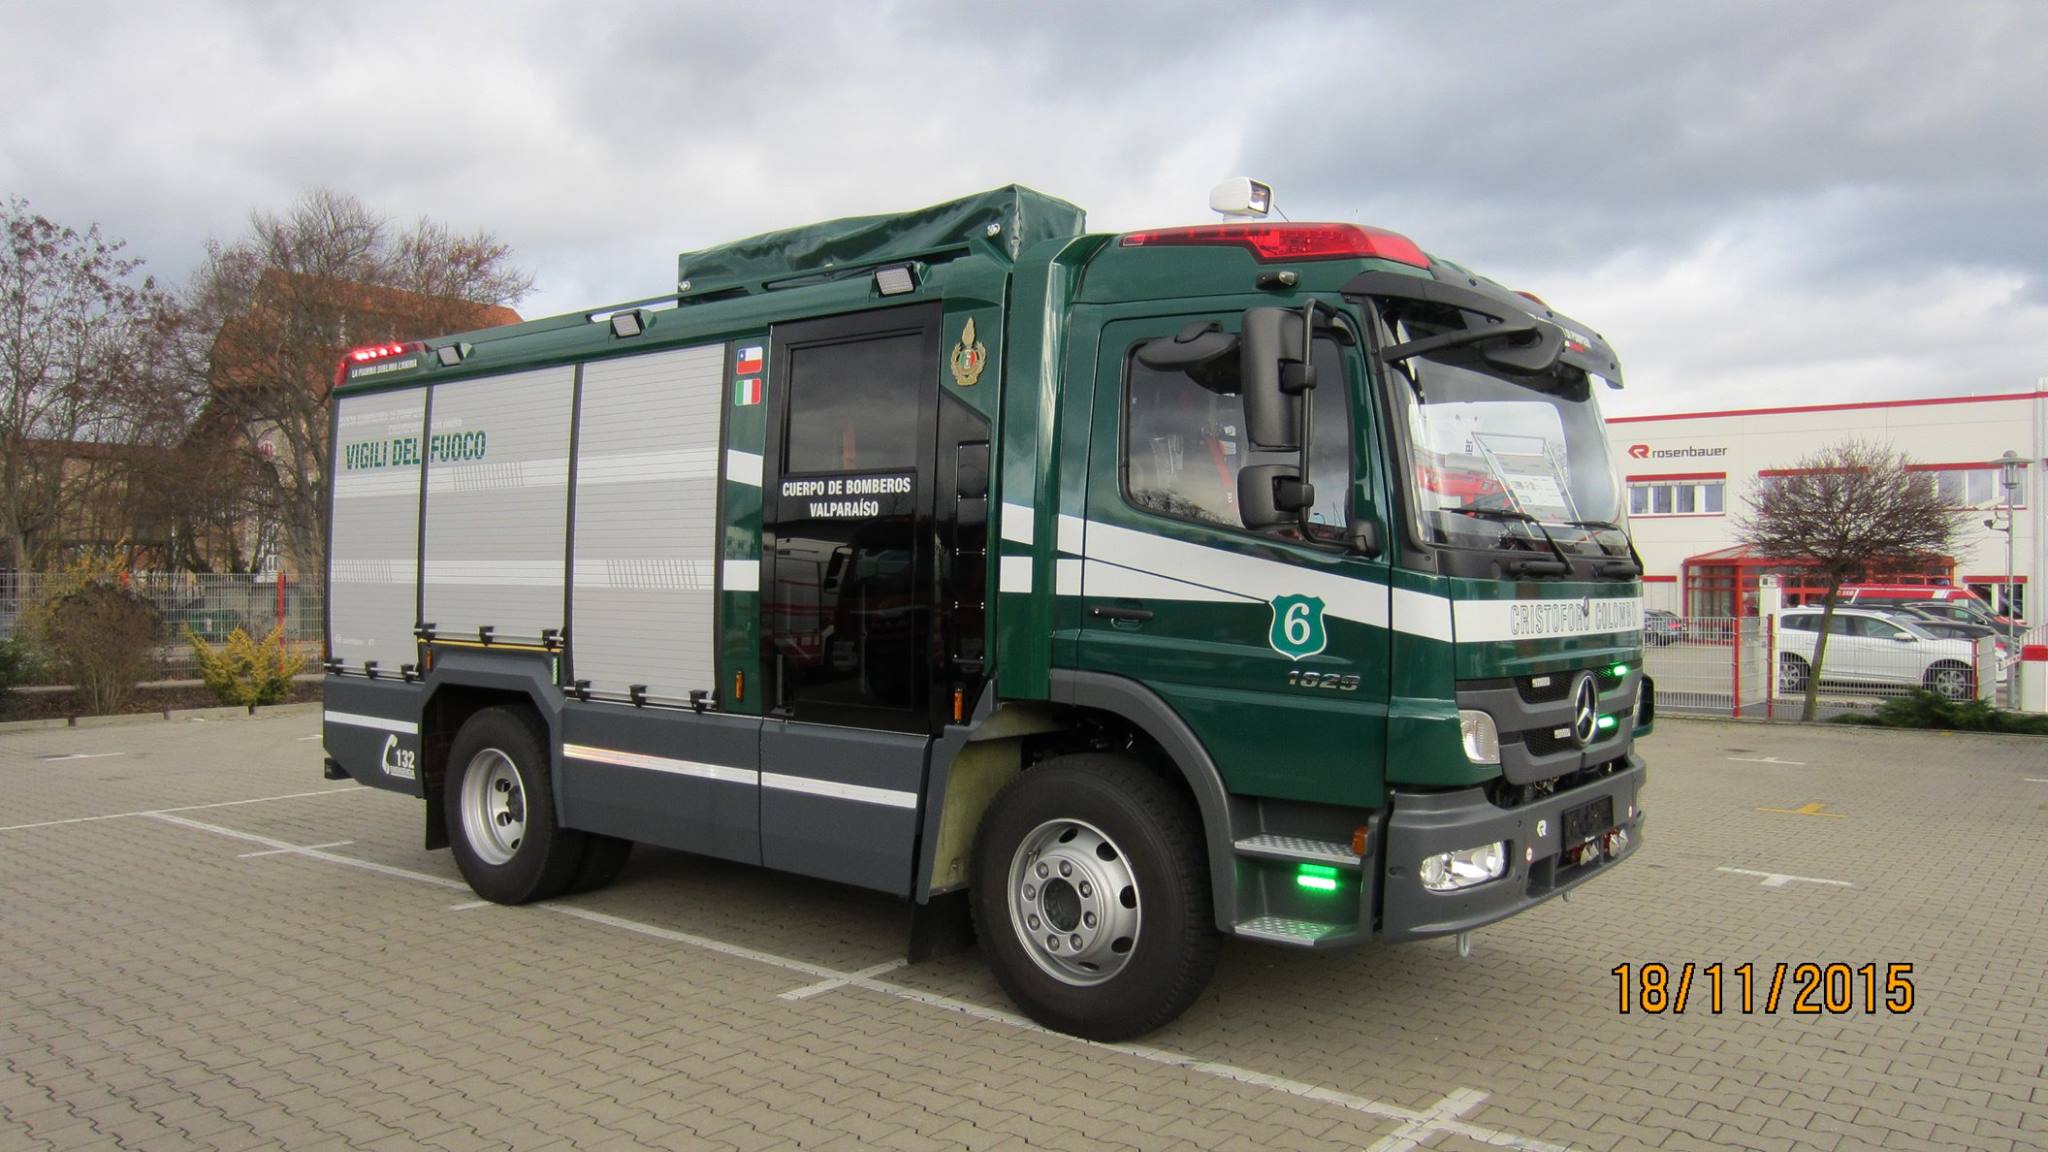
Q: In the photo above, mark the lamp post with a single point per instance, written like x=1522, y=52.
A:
x=2009, y=466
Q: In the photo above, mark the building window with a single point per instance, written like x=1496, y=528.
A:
x=1973, y=487
x=1688, y=497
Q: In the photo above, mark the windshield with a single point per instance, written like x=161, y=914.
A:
x=1491, y=453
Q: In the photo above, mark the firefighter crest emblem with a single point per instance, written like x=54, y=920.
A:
x=969, y=357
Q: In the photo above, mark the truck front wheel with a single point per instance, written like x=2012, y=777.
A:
x=1092, y=897
x=500, y=810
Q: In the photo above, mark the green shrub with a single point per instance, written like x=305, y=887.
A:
x=102, y=638
x=18, y=663
x=243, y=671
x=1924, y=709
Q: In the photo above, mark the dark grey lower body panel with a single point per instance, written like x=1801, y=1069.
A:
x=842, y=803
x=372, y=729
x=1424, y=824
x=663, y=776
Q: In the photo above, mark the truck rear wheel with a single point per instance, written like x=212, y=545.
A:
x=500, y=811
x=1092, y=897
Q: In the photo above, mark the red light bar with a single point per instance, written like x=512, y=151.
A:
x=355, y=357
x=371, y=352
x=1290, y=241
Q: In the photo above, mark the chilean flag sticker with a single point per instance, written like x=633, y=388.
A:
x=747, y=361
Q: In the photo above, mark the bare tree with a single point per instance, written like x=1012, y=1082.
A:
x=273, y=312
x=1846, y=510
x=79, y=374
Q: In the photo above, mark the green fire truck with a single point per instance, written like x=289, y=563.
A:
x=1124, y=591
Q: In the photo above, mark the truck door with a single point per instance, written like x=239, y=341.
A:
x=1272, y=645
x=848, y=593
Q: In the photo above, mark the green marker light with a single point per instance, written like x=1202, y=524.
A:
x=1316, y=877
x=1618, y=671
x=1604, y=723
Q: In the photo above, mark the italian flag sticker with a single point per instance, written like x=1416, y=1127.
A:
x=746, y=390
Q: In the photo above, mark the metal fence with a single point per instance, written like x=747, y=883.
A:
x=1749, y=667
x=210, y=605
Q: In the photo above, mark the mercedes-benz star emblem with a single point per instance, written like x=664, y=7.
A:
x=1585, y=709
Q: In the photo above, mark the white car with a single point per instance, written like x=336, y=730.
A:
x=1866, y=647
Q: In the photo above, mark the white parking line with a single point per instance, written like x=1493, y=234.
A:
x=2036, y=780
x=311, y=853
x=281, y=851
x=1410, y=1136
x=1780, y=879
x=810, y=990
x=1767, y=760
x=469, y=905
x=314, y=736
x=1445, y=1116
x=59, y=757
x=186, y=808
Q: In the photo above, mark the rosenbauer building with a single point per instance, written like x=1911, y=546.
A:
x=1688, y=474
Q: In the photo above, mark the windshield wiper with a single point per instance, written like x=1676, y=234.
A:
x=1530, y=567
x=1617, y=569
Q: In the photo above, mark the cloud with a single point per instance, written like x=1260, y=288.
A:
x=1747, y=198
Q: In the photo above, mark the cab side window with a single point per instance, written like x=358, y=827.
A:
x=1184, y=444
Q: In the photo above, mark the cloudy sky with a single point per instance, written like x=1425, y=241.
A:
x=1756, y=203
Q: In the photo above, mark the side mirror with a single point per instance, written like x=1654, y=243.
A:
x=1904, y=637
x=1269, y=495
x=1274, y=368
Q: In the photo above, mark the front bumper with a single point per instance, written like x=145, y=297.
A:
x=1422, y=824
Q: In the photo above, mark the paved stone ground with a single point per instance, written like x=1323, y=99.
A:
x=169, y=979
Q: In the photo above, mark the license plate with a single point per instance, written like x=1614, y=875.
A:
x=1587, y=820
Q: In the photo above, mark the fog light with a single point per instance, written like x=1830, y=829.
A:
x=1481, y=738
x=1450, y=871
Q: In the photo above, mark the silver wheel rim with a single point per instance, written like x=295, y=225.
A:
x=493, y=806
x=1074, y=902
x=1951, y=682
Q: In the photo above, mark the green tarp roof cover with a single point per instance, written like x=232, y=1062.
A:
x=1026, y=218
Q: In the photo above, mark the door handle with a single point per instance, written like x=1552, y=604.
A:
x=1112, y=612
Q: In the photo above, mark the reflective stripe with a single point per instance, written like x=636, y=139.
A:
x=381, y=724
x=1018, y=524
x=1421, y=614
x=743, y=468
x=1237, y=574
x=1015, y=574
x=1066, y=577
x=661, y=764
x=742, y=576
x=1480, y=621
x=1073, y=532
x=860, y=793
x=1111, y=580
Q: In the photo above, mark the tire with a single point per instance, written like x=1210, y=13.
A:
x=604, y=857
x=1951, y=681
x=1106, y=854
x=1792, y=671
x=499, y=810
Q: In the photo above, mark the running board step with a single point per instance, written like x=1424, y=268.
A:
x=1300, y=933
x=1267, y=846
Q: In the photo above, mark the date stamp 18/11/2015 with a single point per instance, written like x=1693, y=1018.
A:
x=1807, y=989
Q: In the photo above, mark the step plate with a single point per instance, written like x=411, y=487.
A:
x=1281, y=930
x=1298, y=848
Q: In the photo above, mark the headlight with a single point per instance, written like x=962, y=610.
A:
x=1482, y=739
x=1450, y=871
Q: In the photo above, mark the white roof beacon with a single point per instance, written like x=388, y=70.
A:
x=1241, y=196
